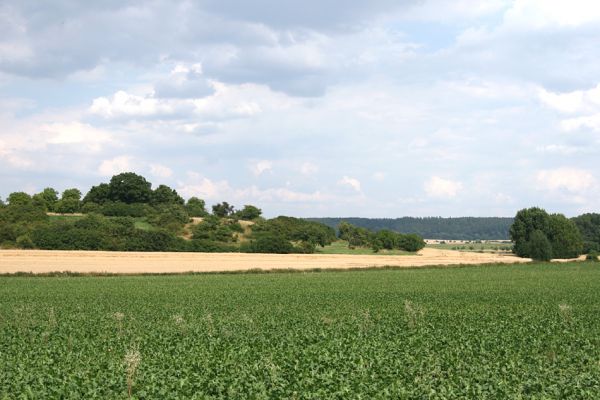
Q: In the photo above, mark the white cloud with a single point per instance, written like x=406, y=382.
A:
x=116, y=165
x=590, y=121
x=161, y=171
x=540, y=14
x=578, y=101
x=206, y=188
x=123, y=104
x=442, y=188
x=308, y=168
x=350, y=182
x=567, y=178
x=262, y=166
x=76, y=133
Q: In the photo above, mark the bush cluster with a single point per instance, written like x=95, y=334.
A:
x=383, y=239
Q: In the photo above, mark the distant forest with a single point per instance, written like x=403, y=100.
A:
x=461, y=228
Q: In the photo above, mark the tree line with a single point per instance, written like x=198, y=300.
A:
x=461, y=228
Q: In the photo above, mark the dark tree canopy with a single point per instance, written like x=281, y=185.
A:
x=589, y=226
x=223, y=209
x=129, y=188
x=562, y=233
x=539, y=247
x=249, y=212
x=98, y=194
x=165, y=195
x=19, y=199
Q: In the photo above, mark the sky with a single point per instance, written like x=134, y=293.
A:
x=385, y=108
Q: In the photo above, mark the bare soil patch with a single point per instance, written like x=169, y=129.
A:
x=44, y=261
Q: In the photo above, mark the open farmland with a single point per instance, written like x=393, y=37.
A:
x=42, y=261
x=505, y=331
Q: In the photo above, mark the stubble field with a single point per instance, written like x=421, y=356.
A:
x=505, y=331
x=40, y=261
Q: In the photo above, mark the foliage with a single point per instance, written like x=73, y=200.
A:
x=563, y=235
x=19, y=199
x=383, y=239
x=69, y=202
x=538, y=246
x=589, y=226
x=270, y=243
x=222, y=210
x=120, y=209
x=592, y=256
x=170, y=216
x=215, y=229
x=196, y=207
x=98, y=194
x=457, y=333
x=165, y=195
x=129, y=188
x=565, y=238
x=295, y=229
x=248, y=213
x=47, y=199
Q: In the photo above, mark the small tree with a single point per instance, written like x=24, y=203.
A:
x=249, y=212
x=196, y=207
x=222, y=210
x=539, y=247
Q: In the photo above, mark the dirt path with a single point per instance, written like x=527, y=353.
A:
x=41, y=261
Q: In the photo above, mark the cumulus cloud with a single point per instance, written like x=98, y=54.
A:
x=352, y=183
x=262, y=166
x=116, y=165
x=565, y=178
x=206, y=188
x=442, y=188
x=161, y=171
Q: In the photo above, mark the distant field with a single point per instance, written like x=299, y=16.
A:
x=506, y=331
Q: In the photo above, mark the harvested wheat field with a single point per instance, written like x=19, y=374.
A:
x=42, y=261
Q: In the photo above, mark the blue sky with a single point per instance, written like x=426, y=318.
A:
x=383, y=108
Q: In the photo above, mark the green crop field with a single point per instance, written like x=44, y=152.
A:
x=518, y=331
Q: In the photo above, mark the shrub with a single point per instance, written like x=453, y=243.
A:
x=25, y=242
x=592, y=256
x=270, y=244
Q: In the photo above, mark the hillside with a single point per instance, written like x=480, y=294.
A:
x=461, y=228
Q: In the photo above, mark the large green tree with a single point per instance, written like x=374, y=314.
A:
x=165, y=195
x=526, y=221
x=223, y=209
x=98, y=194
x=562, y=234
x=129, y=188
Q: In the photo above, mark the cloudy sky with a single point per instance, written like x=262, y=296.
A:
x=379, y=108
